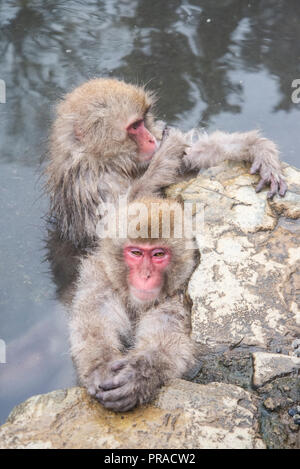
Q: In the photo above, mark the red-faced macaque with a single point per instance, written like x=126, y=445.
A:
x=130, y=319
x=105, y=143
x=102, y=141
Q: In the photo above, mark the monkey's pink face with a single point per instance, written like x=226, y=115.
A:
x=147, y=264
x=146, y=143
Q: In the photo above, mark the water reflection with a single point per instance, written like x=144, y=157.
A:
x=226, y=64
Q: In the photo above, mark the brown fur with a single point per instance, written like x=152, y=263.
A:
x=93, y=160
x=123, y=352
x=152, y=340
x=210, y=150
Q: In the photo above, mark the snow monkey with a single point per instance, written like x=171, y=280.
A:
x=130, y=319
x=105, y=143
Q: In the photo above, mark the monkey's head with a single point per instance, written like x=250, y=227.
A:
x=105, y=119
x=156, y=259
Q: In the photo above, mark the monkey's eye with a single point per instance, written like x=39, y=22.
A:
x=136, y=124
x=136, y=253
x=159, y=253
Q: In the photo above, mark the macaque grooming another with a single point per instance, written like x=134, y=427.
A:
x=130, y=321
x=105, y=143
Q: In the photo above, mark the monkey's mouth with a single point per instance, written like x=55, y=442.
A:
x=147, y=156
x=144, y=295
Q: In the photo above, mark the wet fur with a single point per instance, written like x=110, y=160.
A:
x=124, y=352
x=93, y=161
x=103, y=318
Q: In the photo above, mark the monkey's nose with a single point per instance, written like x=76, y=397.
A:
x=146, y=275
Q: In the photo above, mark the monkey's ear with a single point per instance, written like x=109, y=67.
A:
x=78, y=132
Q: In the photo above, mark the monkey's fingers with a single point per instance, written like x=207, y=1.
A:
x=282, y=187
x=115, y=394
x=117, y=381
x=262, y=183
x=255, y=167
x=95, y=382
x=274, y=188
x=277, y=187
x=118, y=364
x=119, y=399
x=122, y=405
x=269, y=176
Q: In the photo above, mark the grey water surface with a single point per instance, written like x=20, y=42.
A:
x=216, y=64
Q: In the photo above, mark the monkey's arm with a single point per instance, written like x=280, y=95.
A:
x=164, y=167
x=96, y=323
x=163, y=350
x=212, y=149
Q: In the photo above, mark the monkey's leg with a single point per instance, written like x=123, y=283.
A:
x=96, y=325
x=212, y=149
x=163, y=350
x=164, y=167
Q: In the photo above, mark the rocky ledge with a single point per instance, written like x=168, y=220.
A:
x=246, y=292
x=246, y=320
x=185, y=415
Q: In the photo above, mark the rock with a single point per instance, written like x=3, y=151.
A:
x=245, y=288
x=296, y=343
x=270, y=404
x=293, y=427
x=245, y=292
x=267, y=366
x=297, y=419
x=296, y=347
x=185, y=415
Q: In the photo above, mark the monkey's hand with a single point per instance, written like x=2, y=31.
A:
x=168, y=160
x=176, y=137
x=96, y=379
x=210, y=150
x=164, y=168
x=270, y=173
x=135, y=383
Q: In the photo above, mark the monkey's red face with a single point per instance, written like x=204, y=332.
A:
x=147, y=264
x=145, y=141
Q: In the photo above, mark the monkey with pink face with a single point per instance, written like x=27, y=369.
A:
x=105, y=143
x=130, y=320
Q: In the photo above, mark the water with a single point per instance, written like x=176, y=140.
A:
x=227, y=65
